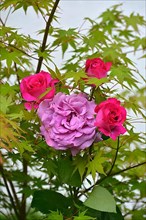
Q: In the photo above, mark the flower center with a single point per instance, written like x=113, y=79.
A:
x=116, y=118
x=70, y=116
x=94, y=64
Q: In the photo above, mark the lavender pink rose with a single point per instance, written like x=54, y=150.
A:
x=68, y=122
x=36, y=88
x=97, y=68
x=110, y=116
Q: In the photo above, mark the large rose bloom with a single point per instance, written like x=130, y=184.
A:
x=97, y=68
x=36, y=88
x=110, y=116
x=68, y=122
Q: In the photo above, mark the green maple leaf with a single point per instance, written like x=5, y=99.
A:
x=134, y=21
x=5, y=102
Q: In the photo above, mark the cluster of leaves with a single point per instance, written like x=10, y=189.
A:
x=52, y=182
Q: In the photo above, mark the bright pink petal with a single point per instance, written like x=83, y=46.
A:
x=108, y=65
x=117, y=131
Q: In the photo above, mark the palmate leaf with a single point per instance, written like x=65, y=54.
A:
x=55, y=73
x=125, y=33
x=97, y=82
x=65, y=38
x=5, y=103
x=92, y=167
x=83, y=216
x=13, y=55
x=75, y=75
x=138, y=42
x=134, y=21
x=6, y=89
x=37, y=5
x=10, y=132
x=95, y=166
x=54, y=216
x=124, y=75
x=112, y=14
x=19, y=115
x=80, y=164
x=23, y=146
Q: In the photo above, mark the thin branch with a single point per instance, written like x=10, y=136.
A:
x=11, y=45
x=112, y=174
x=92, y=93
x=133, y=51
x=79, y=29
x=109, y=172
x=8, y=14
x=3, y=24
x=16, y=69
x=41, y=12
x=48, y=24
x=14, y=194
x=9, y=193
x=128, y=168
x=23, y=202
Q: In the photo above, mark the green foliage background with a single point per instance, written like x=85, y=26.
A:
x=110, y=174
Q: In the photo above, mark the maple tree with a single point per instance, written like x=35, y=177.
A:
x=38, y=182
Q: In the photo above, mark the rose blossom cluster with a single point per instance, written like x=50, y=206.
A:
x=72, y=121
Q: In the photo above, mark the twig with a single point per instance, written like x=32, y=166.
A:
x=14, y=194
x=112, y=174
x=48, y=24
x=109, y=172
x=79, y=29
x=11, y=45
x=9, y=193
x=128, y=168
x=16, y=69
x=8, y=15
x=23, y=202
x=92, y=93
x=132, y=51
x=3, y=24
x=41, y=12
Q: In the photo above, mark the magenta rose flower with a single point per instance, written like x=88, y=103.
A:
x=110, y=116
x=97, y=68
x=68, y=122
x=36, y=88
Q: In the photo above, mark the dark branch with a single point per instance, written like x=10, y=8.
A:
x=134, y=51
x=8, y=191
x=128, y=168
x=14, y=194
x=48, y=24
x=3, y=24
x=23, y=202
x=112, y=174
x=92, y=93
x=109, y=172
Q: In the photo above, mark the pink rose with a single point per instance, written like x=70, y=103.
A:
x=97, y=68
x=36, y=88
x=110, y=116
